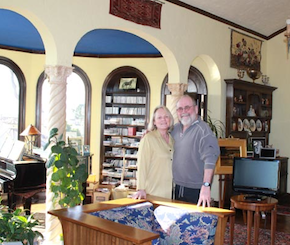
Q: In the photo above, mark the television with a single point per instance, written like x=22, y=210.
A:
x=255, y=176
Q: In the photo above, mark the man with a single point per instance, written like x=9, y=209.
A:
x=196, y=151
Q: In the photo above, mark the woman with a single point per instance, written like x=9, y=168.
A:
x=155, y=154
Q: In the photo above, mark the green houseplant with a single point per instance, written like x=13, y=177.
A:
x=217, y=126
x=16, y=226
x=68, y=175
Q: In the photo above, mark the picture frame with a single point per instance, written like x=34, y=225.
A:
x=128, y=83
x=86, y=150
x=76, y=143
x=230, y=148
x=245, y=51
x=257, y=144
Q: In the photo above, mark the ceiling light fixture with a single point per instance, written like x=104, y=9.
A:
x=287, y=34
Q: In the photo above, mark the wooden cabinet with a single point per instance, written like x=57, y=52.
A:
x=248, y=109
x=283, y=175
x=124, y=117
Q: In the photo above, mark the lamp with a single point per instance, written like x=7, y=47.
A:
x=31, y=133
x=287, y=33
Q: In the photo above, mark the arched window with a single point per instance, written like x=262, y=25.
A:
x=78, y=106
x=12, y=93
x=196, y=88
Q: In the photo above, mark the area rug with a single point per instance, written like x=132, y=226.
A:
x=283, y=210
x=240, y=236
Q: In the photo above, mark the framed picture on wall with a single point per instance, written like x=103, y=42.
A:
x=128, y=83
x=245, y=51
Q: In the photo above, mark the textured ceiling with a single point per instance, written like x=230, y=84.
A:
x=265, y=18
x=262, y=16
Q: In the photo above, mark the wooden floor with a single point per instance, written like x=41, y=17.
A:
x=283, y=222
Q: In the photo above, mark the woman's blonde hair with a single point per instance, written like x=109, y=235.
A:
x=151, y=125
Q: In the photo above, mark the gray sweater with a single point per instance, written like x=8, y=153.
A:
x=194, y=150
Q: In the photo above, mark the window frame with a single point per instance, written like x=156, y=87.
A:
x=22, y=92
x=87, y=85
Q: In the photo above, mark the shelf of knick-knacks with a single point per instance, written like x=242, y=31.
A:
x=249, y=109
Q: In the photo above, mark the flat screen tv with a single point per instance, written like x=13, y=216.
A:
x=259, y=177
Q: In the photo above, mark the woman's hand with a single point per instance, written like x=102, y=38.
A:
x=140, y=194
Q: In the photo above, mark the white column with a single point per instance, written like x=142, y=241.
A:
x=57, y=76
x=177, y=90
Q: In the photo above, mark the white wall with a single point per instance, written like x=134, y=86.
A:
x=278, y=69
x=185, y=38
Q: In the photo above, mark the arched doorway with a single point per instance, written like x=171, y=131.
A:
x=197, y=89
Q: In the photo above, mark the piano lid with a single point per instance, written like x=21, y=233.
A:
x=12, y=149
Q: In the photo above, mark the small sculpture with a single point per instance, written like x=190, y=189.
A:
x=240, y=73
x=265, y=79
x=251, y=112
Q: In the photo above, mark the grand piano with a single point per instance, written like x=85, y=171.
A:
x=21, y=175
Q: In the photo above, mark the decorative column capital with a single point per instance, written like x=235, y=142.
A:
x=177, y=89
x=58, y=74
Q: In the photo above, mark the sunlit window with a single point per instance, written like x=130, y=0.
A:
x=9, y=95
x=76, y=107
x=12, y=90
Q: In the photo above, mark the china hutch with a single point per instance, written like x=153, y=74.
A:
x=124, y=118
x=249, y=114
x=248, y=110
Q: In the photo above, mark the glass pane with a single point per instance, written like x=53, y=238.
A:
x=9, y=95
x=191, y=87
x=44, y=112
x=75, y=108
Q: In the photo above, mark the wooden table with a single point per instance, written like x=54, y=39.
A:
x=79, y=227
x=251, y=206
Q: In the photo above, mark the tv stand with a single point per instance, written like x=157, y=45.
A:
x=253, y=210
x=257, y=198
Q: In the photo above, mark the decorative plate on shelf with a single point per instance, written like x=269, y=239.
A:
x=259, y=125
x=252, y=125
x=246, y=124
x=240, y=124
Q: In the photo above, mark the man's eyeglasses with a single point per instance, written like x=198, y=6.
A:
x=186, y=108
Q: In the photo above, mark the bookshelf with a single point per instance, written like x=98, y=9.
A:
x=124, y=120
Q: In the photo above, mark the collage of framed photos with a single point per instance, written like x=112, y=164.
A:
x=77, y=143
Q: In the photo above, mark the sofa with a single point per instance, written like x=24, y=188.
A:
x=173, y=225
x=115, y=222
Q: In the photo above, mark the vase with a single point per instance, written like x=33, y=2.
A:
x=254, y=74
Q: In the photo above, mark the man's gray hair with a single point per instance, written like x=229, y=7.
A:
x=186, y=96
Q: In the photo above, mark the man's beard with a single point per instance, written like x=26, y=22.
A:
x=187, y=120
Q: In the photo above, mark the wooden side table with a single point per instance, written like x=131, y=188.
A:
x=267, y=204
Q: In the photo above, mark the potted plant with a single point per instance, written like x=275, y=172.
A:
x=68, y=175
x=217, y=126
x=16, y=227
